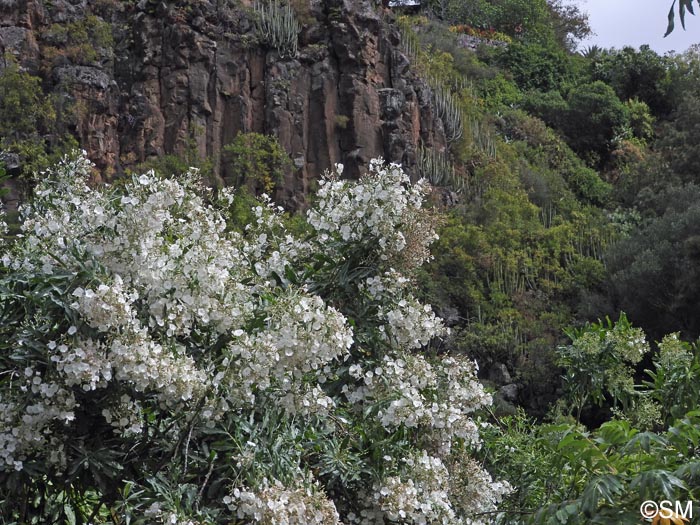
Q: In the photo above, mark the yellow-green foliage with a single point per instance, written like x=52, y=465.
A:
x=641, y=120
x=24, y=108
x=29, y=125
x=485, y=34
x=341, y=121
x=83, y=41
x=257, y=160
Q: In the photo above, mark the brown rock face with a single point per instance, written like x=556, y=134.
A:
x=193, y=70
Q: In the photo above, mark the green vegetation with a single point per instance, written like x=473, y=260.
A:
x=29, y=123
x=568, y=474
x=568, y=192
x=175, y=164
x=84, y=41
x=255, y=160
x=277, y=26
x=588, y=208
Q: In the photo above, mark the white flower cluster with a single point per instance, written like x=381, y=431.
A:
x=381, y=208
x=473, y=489
x=3, y=225
x=302, y=335
x=421, y=499
x=275, y=504
x=24, y=429
x=166, y=266
x=131, y=354
x=415, y=393
x=166, y=309
x=674, y=353
x=168, y=517
x=406, y=322
x=629, y=342
x=412, y=324
x=272, y=248
x=428, y=491
x=126, y=417
x=160, y=237
x=131, y=357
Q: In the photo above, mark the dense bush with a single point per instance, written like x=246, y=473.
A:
x=535, y=65
x=83, y=41
x=29, y=124
x=159, y=367
x=640, y=74
x=596, y=115
x=676, y=138
x=569, y=475
x=256, y=160
x=653, y=272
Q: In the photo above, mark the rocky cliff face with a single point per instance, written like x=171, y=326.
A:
x=147, y=78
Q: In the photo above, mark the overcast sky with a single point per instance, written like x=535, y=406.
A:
x=635, y=22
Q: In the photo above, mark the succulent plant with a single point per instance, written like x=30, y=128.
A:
x=277, y=26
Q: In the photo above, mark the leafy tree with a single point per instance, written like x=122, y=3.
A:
x=641, y=121
x=550, y=106
x=570, y=23
x=600, y=362
x=684, y=73
x=676, y=137
x=29, y=126
x=672, y=382
x=535, y=66
x=636, y=74
x=256, y=159
x=653, y=272
x=568, y=474
x=596, y=115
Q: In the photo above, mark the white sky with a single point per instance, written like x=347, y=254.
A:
x=635, y=22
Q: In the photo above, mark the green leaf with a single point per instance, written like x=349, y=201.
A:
x=689, y=471
x=614, y=432
x=671, y=16
x=70, y=514
x=654, y=482
x=605, y=487
x=644, y=441
x=681, y=11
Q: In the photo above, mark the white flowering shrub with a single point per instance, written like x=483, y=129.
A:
x=160, y=367
x=3, y=226
x=383, y=213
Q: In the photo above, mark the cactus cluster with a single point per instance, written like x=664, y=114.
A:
x=438, y=169
x=482, y=137
x=448, y=109
x=277, y=26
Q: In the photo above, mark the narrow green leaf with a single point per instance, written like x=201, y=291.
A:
x=681, y=11
x=671, y=16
